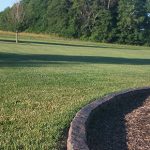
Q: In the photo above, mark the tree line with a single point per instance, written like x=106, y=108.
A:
x=112, y=21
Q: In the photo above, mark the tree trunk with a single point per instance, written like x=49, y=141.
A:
x=16, y=36
x=108, y=6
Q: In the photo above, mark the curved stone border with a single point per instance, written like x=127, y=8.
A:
x=77, y=139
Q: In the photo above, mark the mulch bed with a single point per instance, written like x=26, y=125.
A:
x=123, y=125
x=138, y=127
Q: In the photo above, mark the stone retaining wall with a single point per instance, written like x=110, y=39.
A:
x=77, y=136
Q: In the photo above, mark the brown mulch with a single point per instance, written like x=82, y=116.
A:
x=138, y=127
x=122, y=125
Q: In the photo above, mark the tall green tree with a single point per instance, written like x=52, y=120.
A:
x=36, y=15
x=58, y=16
x=132, y=21
x=17, y=15
x=4, y=20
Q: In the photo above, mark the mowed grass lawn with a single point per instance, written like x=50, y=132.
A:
x=43, y=85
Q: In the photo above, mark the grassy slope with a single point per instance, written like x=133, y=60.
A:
x=42, y=86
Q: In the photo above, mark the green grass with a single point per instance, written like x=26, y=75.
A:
x=43, y=85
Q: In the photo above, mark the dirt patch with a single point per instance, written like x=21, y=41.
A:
x=122, y=125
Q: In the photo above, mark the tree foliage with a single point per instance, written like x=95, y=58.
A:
x=123, y=21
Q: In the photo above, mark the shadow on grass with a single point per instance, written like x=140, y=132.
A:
x=107, y=129
x=12, y=59
x=62, y=141
x=52, y=43
x=65, y=44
